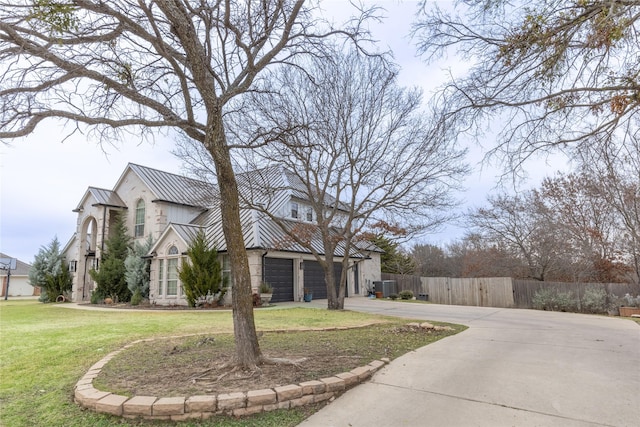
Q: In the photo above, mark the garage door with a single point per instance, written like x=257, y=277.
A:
x=314, y=278
x=278, y=273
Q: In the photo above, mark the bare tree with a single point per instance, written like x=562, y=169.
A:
x=617, y=169
x=361, y=148
x=432, y=261
x=144, y=66
x=521, y=226
x=548, y=75
x=591, y=227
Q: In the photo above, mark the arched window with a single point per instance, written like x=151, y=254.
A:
x=139, y=225
x=172, y=271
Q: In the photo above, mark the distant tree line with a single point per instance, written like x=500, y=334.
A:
x=581, y=226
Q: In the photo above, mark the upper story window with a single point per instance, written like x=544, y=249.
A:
x=139, y=225
x=309, y=214
x=294, y=210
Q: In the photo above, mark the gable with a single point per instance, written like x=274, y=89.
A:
x=180, y=235
x=95, y=196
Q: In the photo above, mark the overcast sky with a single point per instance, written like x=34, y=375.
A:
x=43, y=177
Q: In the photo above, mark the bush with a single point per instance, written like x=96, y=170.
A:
x=406, y=294
x=136, y=298
x=49, y=271
x=629, y=301
x=552, y=300
x=202, y=274
x=95, y=298
x=257, y=301
x=393, y=296
x=594, y=300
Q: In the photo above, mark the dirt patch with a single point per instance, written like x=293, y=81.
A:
x=195, y=365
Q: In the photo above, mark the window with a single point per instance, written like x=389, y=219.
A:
x=95, y=264
x=309, y=214
x=139, y=225
x=172, y=271
x=160, y=276
x=226, y=270
x=294, y=210
x=172, y=276
x=72, y=266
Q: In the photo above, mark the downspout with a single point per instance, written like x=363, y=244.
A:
x=264, y=254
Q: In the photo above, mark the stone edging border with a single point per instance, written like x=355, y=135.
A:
x=205, y=406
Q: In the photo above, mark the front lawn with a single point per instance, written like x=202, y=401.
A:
x=46, y=348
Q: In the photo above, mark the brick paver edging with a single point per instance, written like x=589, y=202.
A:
x=206, y=406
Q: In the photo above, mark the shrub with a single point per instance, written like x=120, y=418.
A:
x=594, y=300
x=551, y=299
x=629, y=301
x=257, y=301
x=137, y=268
x=202, y=274
x=49, y=271
x=406, y=294
x=393, y=296
x=566, y=302
x=136, y=298
x=95, y=298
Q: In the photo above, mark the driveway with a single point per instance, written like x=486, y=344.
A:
x=510, y=368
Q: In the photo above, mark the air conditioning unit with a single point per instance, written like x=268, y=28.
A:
x=387, y=287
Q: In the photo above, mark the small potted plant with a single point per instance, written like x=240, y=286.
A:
x=308, y=295
x=266, y=293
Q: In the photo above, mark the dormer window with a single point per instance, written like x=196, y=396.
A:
x=139, y=225
x=294, y=210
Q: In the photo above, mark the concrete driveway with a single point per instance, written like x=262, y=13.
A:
x=510, y=368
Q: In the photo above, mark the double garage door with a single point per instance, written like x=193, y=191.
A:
x=278, y=272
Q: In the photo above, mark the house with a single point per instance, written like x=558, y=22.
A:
x=19, y=285
x=172, y=209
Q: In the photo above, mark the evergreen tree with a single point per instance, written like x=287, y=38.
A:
x=110, y=278
x=137, y=268
x=49, y=271
x=393, y=260
x=202, y=274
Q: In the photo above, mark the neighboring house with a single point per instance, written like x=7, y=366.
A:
x=173, y=209
x=19, y=285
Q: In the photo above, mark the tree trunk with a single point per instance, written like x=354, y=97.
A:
x=335, y=300
x=247, y=349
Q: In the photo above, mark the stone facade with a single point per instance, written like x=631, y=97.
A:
x=171, y=210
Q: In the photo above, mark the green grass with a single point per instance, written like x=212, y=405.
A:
x=46, y=348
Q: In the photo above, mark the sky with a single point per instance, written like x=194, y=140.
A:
x=44, y=176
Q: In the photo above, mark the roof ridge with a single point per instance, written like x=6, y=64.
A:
x=170, y=173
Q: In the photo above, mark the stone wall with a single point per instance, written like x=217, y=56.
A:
x=205, y=406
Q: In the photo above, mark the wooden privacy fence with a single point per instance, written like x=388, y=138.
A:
x=494, y=291
x=483, y=292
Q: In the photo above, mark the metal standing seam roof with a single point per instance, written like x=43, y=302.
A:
x=103, y=197
x=187, y=232
x=177, y=189
x=260, y=231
